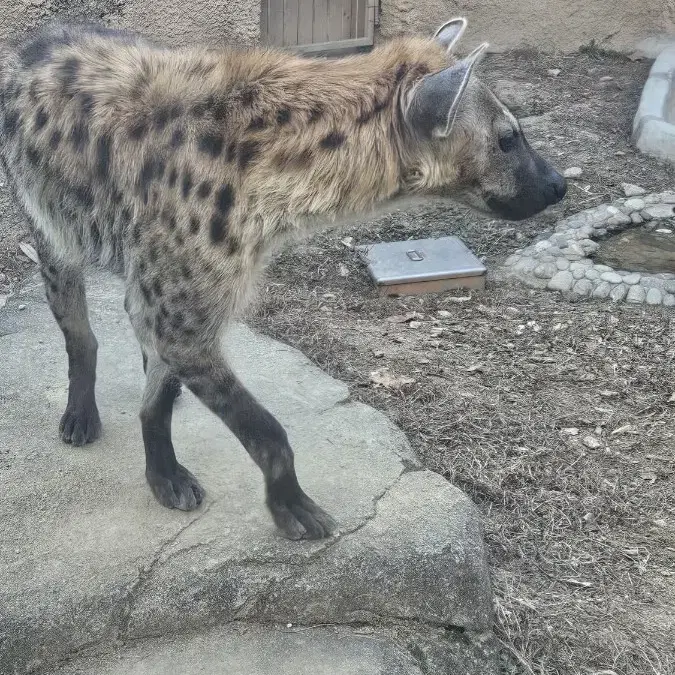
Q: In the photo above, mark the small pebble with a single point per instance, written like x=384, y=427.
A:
x=573, y=172
x=591, y=442
x=553, y=72
x=631, y=190
x=22, y=307
x=606, y=78
x=664, y=230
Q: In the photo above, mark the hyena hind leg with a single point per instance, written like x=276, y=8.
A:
x=171, y=483
x=212, y=381
x=67, y=299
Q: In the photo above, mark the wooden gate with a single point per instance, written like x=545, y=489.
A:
x=318, y=25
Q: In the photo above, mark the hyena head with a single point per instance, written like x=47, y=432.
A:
x=462, y=142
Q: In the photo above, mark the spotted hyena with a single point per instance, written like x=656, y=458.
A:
x=181, y=169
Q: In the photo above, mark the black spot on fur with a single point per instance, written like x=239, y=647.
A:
x=198, y=110
x=86, y=104
x=333, y=140
x=39, y=49
x=316, y=113
x=211, y=144
x=168, y=218
x=178, y=239
x=224, y=199
x=187, y=183
x=204, y=189
x=153, y=168
x=194, y=224
x=369, y=114
x=217, y=228
x=33, y=91
x=400, y=72
x=157, y=287
x=248, y=151
x=186, y=273
x=11, y=123
x=138, y=129
x=160, y=117
x=125, y=215
x=54, y=139
x=136, y=233
x=173, y=177
x=232, y=245
x=257, y=123
x=283, y=116
x=248, y=96
x=79, y=136
x=177, y=320
x=33, y=155
x=231, y=153
x=41, y=118
x=67, y=73
x=217, y=108
x=177, y=138
x=83, y=195
x=103, y=149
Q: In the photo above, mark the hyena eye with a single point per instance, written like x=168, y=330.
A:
x=508, y=141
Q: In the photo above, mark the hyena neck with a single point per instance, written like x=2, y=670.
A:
x=330, y=135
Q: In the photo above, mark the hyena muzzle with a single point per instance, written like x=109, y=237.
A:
x=182, y=169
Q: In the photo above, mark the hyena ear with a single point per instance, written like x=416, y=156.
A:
x=449, y=33
x=431, y=106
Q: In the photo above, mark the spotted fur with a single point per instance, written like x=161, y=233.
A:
x=181, y=169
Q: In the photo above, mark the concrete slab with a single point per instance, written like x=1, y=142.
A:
x=258, y=651
x=89, y=559
x=654, y=122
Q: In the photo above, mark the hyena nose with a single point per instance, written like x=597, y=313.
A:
x=559, y=185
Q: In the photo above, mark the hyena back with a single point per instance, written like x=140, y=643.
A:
x=182, y=169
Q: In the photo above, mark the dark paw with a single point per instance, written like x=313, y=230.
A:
x=80, y=424
x=179, y=490
x=295, y=514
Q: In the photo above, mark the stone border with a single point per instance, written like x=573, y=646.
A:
x=653, y=133
x=562, y=263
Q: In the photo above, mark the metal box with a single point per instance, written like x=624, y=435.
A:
x=423, y=266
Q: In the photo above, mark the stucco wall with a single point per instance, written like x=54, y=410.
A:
x=174, y=22
x=550, y=25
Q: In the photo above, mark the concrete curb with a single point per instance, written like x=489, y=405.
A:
x=91, y=562
x=653, y=132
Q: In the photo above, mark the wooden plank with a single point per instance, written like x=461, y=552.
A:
x=335, y=46
x=263, y=22
x=347, y=19
x=291, y=8
x=320, y=23
x=305, y=21
x=335, y=18
x=435, y=286
x=275, y=22
x=361, y=18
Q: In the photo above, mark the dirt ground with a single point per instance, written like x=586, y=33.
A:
x=556, y=417
x=581, y=539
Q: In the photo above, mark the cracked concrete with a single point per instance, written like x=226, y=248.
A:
x=92, y=564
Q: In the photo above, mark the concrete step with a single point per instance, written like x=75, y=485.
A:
x=90, y=560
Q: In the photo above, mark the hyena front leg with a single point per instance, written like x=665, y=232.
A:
x=65, y=289
x=171, y=483
x=212, y=381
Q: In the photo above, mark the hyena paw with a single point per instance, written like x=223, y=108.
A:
x=296, y=515
x=178, y=490
x=80, y=423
